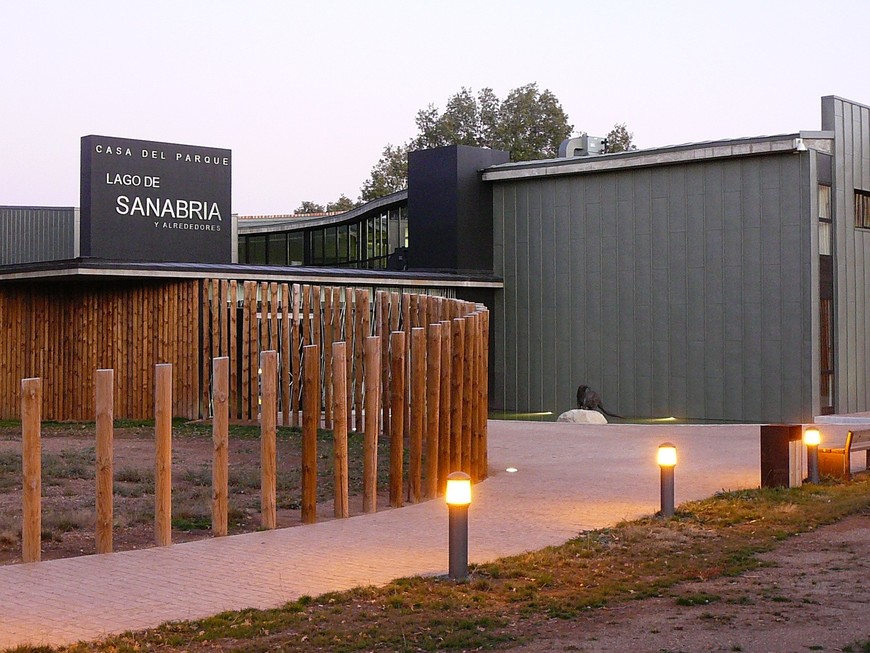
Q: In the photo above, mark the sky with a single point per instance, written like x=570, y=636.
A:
x=307, y=94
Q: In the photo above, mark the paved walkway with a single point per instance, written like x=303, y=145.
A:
x=570, y=478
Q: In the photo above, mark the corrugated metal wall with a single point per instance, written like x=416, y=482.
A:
x=31, y=234
x=850, y=123
x=682, y=290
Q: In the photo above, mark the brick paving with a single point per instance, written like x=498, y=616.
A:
x=570, y=478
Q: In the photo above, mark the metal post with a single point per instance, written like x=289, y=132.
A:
x=667, y=502
x=458, y=527
x=813, y=462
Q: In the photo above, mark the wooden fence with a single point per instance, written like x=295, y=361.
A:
x=424, y=385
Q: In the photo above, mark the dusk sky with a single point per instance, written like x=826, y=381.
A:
x=306, y=94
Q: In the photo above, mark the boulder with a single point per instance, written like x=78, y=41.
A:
x=580, y=416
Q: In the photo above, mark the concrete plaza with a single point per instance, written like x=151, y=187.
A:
x=569, y=478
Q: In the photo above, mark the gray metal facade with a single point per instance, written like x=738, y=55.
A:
x=685, y=287
x=34, y=234
x=850, y=124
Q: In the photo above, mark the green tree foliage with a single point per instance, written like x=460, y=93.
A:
x=310, y=207
x=343, y=203
x=389, y=175
x=531, y=124
x=619, y=139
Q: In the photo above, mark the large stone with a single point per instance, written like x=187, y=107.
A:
x=580, y=416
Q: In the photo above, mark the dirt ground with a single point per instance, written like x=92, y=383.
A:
x=812, y=595
x=68, y=488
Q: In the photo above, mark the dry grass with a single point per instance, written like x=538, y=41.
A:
x=506, y=600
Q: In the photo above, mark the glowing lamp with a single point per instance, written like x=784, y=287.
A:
x=458, y=489
x=667, y=455
x=458, y=497
x=812, y=437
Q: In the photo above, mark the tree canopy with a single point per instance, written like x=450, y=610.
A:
x=528, y=123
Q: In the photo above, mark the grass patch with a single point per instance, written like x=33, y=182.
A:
x=505, y=601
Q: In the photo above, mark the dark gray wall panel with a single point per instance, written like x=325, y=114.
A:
x=33, y=234
x=682, y=282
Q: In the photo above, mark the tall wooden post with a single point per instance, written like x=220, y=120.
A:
x=339, y=432
x=468, y=401
x=445, y=457
x=31, y=467
x=310, y=422
x=268, y=439
x=372, y=403
x=104, y=402
x=163, y=454
x=220, y=439
x=397, y=420
x=433, y=408
x=457, y=455
x=418, y=413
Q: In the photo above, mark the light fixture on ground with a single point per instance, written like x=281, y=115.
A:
x=812, y=438
x=667, y=460
x=458, y=497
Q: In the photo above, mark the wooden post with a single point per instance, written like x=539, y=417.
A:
x=360, y=323
x=418, y=412
x=310, y=422
x=384, y=333
x=433, y=408
x=484, y=396
x=339, y=432
x=163, y=454
x=397, y=420
x=268, y=439
x=296, y=396
x=220, y=438
x=328, y=354
x=104, y=401
x=457, y=455
x=31, y=467
x=370, y=444
x=351, y=355
x=445, y=457
x=468, y=390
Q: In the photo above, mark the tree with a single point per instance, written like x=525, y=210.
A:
x=310, y=207
x=343, y=203
x=619, y=139
x=389, y=175
x=531, y=124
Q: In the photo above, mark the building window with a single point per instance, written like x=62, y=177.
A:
x=826, y=357
x=862, y=209
x=825, y=220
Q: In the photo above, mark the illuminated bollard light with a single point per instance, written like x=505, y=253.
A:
x=812, y=437
x=458, y=498
x=667, y=460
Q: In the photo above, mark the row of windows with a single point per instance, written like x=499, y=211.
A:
x=364, y=244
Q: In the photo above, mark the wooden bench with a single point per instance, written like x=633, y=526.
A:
x=837, y=461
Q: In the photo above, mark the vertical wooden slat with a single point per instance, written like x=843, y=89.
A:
x=370, y=444
x=104, y=401
x=349, y=339
x=310, y=422
x=273, y=317
x=246, y=350
x=220, y=441
x=397, y=395
x=359, y=355
x=31, y=469
x=418, y=413
x=384, y=334
x=285, y=353
x=296, y=397
x=484, y=399
x=328, y=353
x=268, y=438
x=340, y=463
x=467, y=394
x=433, y=409
x=456, y=404
x=163, y=454
x=234, y=394
x=445, y=455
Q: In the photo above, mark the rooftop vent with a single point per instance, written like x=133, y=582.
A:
x=583, y=145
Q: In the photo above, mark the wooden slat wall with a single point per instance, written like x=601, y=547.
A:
x=64, y=332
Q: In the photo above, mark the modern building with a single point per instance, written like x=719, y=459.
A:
x=724, y=280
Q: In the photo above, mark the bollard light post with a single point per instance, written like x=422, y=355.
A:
x=667, y=460
x=458, y=497
x=812, y=438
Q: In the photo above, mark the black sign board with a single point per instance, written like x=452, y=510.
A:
x=148, y=201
